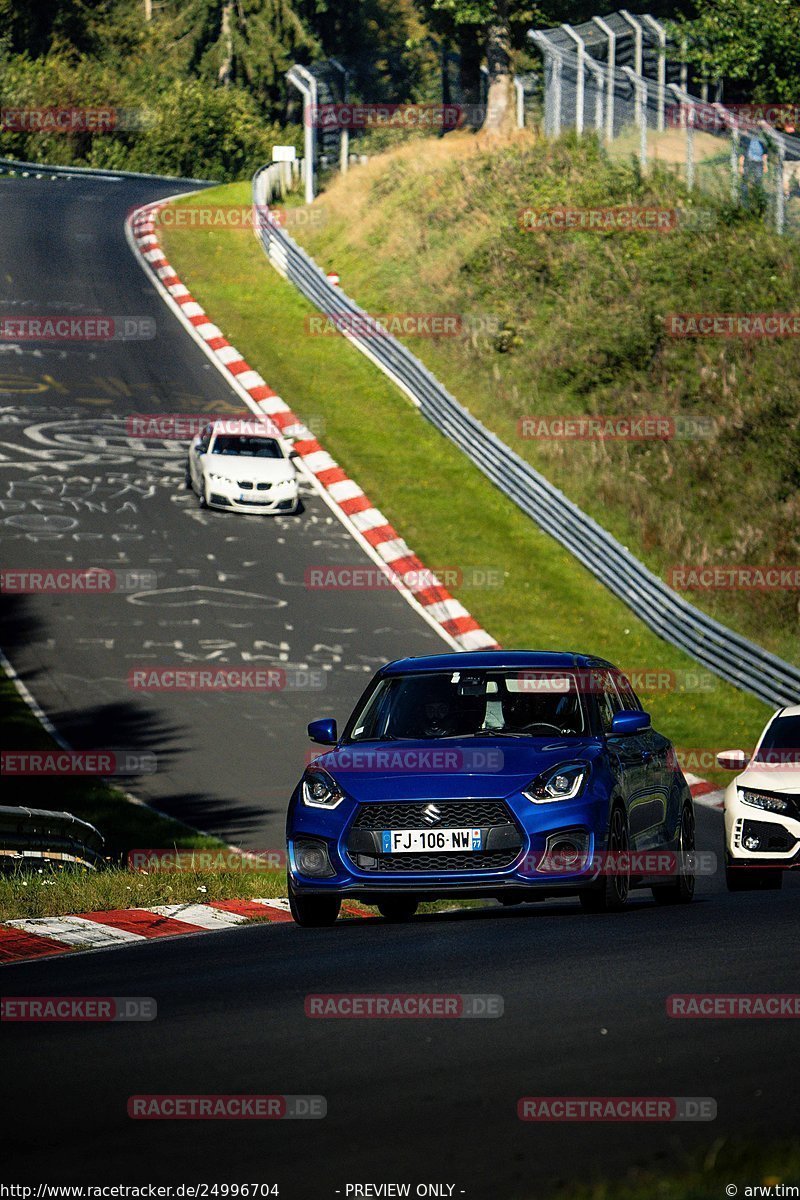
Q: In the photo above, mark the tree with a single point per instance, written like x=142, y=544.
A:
x=755, y=43
x=500, y=25
x=250, y=43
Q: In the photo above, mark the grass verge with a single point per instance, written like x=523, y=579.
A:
x=125, y=825
x=449, y=513
x=747, y=1166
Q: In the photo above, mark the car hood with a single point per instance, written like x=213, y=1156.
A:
x=450, y=769
x=778, y=778
x=256, y=470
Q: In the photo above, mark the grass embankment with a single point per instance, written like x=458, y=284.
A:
x=747, y=1166
x=125, y=826
x=449, y=513
x=434, y=228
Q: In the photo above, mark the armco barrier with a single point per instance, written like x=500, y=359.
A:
x=13, y=166
x=33, y=835
x=732, y=657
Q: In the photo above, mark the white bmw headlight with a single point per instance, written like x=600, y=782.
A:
x=320, y=790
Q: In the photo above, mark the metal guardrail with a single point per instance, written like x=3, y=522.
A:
x=13, y=166
x=721, y=650
x=34, y=835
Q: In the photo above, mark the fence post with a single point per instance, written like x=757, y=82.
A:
x=305, y=83
x=640, y=92
x=581, y=76
x=599, y=77
x=610, y=69
x=662, y=66
x=519, y=90
x=637, y=62
x=688, y=103
x=344, y=132
x=552, y=85
x=780, y=200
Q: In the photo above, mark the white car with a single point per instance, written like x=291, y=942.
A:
x=762, y=806
x=241, y=465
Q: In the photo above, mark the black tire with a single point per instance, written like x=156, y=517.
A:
x=612, y=894
x=314, y=912
x=681, y=890
x=201, y=498
x=398, y=908
x=188, y=480
x=752, y=879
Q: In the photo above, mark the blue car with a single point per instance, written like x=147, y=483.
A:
x=513, y=775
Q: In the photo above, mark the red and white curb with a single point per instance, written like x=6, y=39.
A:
x=42, y=937
x=705, y=793
x=368, y=524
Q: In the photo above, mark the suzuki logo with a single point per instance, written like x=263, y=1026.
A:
x=431, y=813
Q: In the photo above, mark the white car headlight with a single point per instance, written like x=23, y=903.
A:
x=219, y=478
x=320, y=790
x=763, y=800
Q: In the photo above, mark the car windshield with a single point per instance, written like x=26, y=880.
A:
x=505, y=703
x=781, y=742
x=246, y=447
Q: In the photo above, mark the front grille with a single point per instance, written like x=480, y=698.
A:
x=503, y=844
x=396, y=863
x=254, y=503
x=246, y=485
x=456, y=814
x=263, y=487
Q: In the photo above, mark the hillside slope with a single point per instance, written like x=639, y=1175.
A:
x=434, y=227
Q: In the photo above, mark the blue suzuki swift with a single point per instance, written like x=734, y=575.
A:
x=513, y=775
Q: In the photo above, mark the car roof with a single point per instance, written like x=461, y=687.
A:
x=469, y=660
x=792, y=711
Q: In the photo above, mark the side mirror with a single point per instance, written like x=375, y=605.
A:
x=732, y=760
x=323, y=732
x=293, y=454
x=629, y=721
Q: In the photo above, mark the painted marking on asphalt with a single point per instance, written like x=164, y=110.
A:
x=253, y=908
x=76, y=931
x=205, y=916
x=139, y=922
x=16, y=944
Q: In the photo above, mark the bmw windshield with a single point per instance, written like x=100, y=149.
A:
x=246, y=447
x=510, y=703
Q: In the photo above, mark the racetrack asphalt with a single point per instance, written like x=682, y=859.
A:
x=76, y=489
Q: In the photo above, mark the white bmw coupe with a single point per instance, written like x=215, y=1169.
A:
x=240, y=465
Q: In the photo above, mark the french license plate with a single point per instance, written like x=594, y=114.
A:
x=415, y=841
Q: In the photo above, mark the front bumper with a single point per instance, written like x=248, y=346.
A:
x=759, y=837
x=260, y=498
x=509, y=862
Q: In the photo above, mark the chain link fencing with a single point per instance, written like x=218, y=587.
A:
x=615, y=77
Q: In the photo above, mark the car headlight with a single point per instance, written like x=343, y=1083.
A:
x=763, y=800
x=563, y=782
x=219, y=478
x=319, y=790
